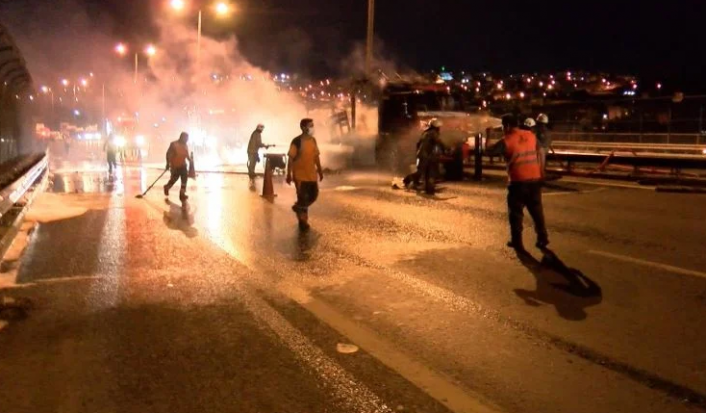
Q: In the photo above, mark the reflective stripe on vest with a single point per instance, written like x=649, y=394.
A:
x=521, y=156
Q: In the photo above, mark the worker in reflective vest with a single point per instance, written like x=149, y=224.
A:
x=521, y=151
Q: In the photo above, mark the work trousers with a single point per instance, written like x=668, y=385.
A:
x=176, y=174
x=253, y=159
x=427, y=169
x=307, y=193
x=529, y=195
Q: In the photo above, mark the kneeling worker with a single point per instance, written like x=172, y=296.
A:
x=522, y=155
x=177, y=155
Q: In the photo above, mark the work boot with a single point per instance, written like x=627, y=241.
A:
x=516, y=245
x=542, y=245
x=183, y=196
x=166, y=191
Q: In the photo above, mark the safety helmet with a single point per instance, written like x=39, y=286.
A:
x=435, y=123
x=530, y=123
x=542, y=118
x=260, y=126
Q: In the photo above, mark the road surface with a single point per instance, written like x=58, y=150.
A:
x=392, y=302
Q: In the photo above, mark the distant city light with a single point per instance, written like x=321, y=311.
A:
x=508, y=96
x=659, y=86
x=45, y=89
x=31, y=97
x=150, y=50
x=522, y=95
x=84, y=82
x=64, y=82
x=77, y=112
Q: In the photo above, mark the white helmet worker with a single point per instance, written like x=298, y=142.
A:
x=530, y=123
x=435, y=123
x=542, y=118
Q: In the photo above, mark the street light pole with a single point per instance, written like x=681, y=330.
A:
x=136, y=66
x=371, y=31
x=198, y=44
x=103, y=128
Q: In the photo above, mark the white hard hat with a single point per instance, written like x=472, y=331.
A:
x=530, y=123
x=435, y=123
x=542, y=118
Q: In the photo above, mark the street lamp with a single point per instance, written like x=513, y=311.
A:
x=177, y=5
x=221, y=8
x=47, y=90
x=122, y=49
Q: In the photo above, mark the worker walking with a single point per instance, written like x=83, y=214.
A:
x=429, y=149
x=253, y=150
x=304, y=168
x=521, y=151
x=111, y=150
x=544, y=138
x=177, y=155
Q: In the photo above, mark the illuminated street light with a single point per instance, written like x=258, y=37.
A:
x=121, y=49
x=84, y=82
x=65, y=82
x=222, y=8
x=45, y=89
x=150, y=50
x=177, y=5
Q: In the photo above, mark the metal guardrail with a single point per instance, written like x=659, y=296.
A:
x=647, y=160
x=632, y=147
x=637, y=138
x=13, y=192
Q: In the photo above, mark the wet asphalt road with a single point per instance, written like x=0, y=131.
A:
x=139, y=307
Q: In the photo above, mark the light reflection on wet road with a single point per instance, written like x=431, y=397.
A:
x=230, y=308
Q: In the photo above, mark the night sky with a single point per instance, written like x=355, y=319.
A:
x=655, y=40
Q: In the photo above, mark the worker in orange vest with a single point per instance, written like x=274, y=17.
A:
x=177, y=155
x=522, y=155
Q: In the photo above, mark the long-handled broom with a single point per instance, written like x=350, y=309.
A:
x=153, y=184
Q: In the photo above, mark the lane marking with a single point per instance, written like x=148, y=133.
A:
x=354, y=395
x=653, y=264
x=573, y=192
x=612, y=184
x=432, y=383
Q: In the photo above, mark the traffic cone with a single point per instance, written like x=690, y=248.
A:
x=192, y=167
x=268, y=189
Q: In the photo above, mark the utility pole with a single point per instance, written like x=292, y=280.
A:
x=371, y=31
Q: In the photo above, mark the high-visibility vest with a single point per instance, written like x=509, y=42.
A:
x=521, y=156
x=179, y=152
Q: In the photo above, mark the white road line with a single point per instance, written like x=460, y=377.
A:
x=352, y=394
x=434, y=384
x=666, y=267
x=611, y=184
x=545, y=194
